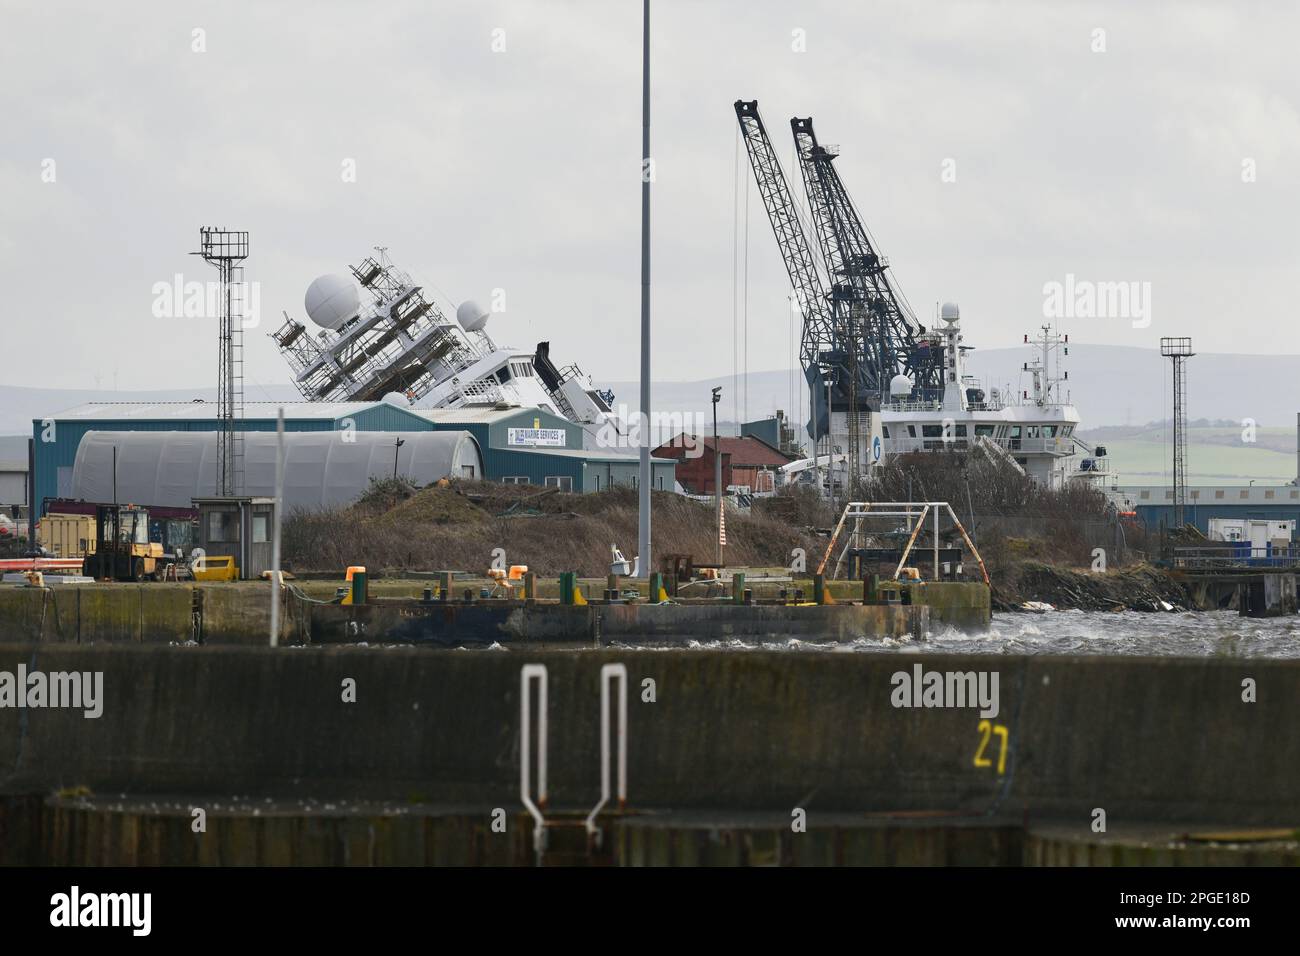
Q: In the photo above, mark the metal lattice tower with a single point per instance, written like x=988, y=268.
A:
x=226, y=250
x=1178, y=351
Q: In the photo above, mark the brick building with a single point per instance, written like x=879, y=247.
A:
x=745, y=461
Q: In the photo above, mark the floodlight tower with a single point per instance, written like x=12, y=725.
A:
x=1178, y=351
x=227, y=249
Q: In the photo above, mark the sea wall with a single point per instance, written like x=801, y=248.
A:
x=1143, y=739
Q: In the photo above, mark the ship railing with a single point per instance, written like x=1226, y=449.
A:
x=957, y=442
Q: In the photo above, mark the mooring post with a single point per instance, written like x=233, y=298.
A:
x=819, y=588
x=444, y=585
x=738, y=587
x=530, y=586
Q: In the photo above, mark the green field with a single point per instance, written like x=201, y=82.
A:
x=1148, y=462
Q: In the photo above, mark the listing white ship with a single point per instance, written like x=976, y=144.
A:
x=400, y=344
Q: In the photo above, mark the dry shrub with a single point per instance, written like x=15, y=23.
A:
x=458, y=527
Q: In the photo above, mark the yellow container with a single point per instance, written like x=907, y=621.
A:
x=216, y=568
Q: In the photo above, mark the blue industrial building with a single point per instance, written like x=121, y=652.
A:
x=519, y=445
x=1154, y=504
x=535, y=447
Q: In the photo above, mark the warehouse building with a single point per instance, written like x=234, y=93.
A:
x=516, y=445
x=1154, y=504
x=58, y=437
x=530, y=446
x=321, y=469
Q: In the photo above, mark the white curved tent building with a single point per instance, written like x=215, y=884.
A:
x=321, y=469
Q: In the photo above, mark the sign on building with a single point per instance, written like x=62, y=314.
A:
x=535, y=437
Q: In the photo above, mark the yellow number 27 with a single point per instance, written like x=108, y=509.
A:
x=986, y=731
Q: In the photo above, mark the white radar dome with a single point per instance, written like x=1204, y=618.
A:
x=949, y=312
x=471, y=316
x=900, y=385
x=397, y=398
x=332, y=300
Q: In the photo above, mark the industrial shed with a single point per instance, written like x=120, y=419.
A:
x=58, y=436
x=530, y=446
x=321, y=469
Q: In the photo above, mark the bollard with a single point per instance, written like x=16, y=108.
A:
x=530, y=586
x=738, y=588
x=749, y=595
x=468, y=595
x=427, y=598
x=784, y=595
x=568, y=580
x=444, y=585
x=871, y=589
x=819, y=589
x=358, y=587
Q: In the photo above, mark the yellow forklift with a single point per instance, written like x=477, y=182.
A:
x=123, y=551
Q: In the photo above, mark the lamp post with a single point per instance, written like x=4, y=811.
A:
x=396, y=448
x=646, y=477
x=717, y=477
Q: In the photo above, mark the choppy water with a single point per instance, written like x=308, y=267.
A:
x=1190, y=634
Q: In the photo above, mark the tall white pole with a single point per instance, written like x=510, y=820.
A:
x=643, y=523
x=275, y=535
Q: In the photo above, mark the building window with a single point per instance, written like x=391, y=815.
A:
x=1196, y=494
x=1268, y=493
x=1219, y=493
x=514, y=480
x=1244, y=493
x=223, y=527
x=985, y=430
x=884, y=429
x=1145, y=495
x=467, y=471
x=911, y=431
x=260, y=526
x=563, y=482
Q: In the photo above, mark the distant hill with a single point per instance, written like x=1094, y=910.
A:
x=1112, y=385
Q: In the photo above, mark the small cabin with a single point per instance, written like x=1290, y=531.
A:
x=241, y=527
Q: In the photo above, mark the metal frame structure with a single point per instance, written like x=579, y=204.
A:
x=913, y=511
x=1178, y=351
x=226, y=249
x=400, y=343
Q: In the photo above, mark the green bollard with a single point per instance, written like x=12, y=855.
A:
x=530, y=586
x=819, y=588
x=358, y=587
x=568, y=579
x=738, y=588
x=656, y=585
x=871, y=589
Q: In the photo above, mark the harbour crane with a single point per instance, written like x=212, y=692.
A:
x=858, y=335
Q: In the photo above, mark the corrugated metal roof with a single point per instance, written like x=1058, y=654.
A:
x=590, y=454
x=474, y=414
x=189, y=411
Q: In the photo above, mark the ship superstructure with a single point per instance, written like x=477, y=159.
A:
x=401, y=342
x=1034, y=428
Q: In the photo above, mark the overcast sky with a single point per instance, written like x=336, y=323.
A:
x=519, y=169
